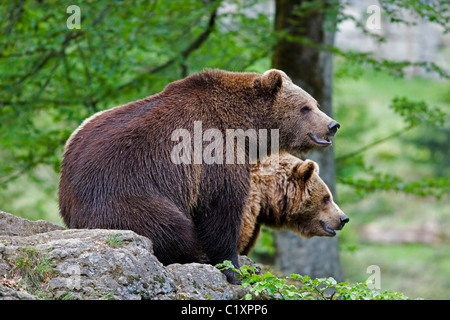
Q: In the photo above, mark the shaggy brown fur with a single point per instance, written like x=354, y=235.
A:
x=117, y=171
x=288, y=193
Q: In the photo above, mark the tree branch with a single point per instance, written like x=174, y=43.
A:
x=374, y=143
x=51, y=54
x=15, y=16
x=56, y=53
x=184, y=54
x=33, y=102
x=203, y=36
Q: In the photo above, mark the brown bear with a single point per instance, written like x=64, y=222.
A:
x=287, y=193
x=120, y=171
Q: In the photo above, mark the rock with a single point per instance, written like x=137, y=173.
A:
x=92, y=264
x=7, y=293
x=41, y=260
x=11, y=225
x=200, y=282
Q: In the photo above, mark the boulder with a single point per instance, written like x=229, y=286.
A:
x=39, y=260
x=11, y=225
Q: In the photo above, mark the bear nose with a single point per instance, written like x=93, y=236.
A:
x=332, y=127
x=344, y=220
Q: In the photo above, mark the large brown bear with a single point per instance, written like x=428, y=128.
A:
x=119, y=172
x=287, y=193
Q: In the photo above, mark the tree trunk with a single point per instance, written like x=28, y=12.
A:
x=310, y=69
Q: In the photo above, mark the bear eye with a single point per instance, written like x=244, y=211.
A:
x=305, y=109
x=326, y=199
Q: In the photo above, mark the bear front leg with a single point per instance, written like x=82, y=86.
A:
x=219, y=231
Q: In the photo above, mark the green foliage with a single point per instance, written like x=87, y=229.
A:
x=418, y=112
x=297, y=287
x=414, y=114
x=377, y=181
x=434, y=11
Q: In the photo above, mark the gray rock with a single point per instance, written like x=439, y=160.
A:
x=95, y=264
x=11, y=225
x=7, y=293
x=41, y=260
x=200, y=282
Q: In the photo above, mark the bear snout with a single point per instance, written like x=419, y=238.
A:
x=344, y=220
x=332, y=127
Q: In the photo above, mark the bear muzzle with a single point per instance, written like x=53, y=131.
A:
x=324, y=140
x=331, y=231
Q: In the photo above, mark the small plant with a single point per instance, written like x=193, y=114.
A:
x=32, y=268
x=113, y=240
x=297, y=287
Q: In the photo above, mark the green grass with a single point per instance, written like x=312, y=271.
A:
x=32, y=268
x=113, y=240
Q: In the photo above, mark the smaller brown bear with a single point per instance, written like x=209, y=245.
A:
x=287, y=193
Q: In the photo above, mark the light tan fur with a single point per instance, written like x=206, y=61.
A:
x=287, y=193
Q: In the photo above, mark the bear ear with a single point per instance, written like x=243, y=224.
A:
x=271, y=81
x=303, y=171
x=316, y=170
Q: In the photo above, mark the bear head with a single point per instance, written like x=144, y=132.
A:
x=303, y=126
x=311, y=210
x=288, y=193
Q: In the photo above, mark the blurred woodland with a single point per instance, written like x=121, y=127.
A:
x=380, y=67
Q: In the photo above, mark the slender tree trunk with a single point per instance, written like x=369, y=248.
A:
x=310, y=69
